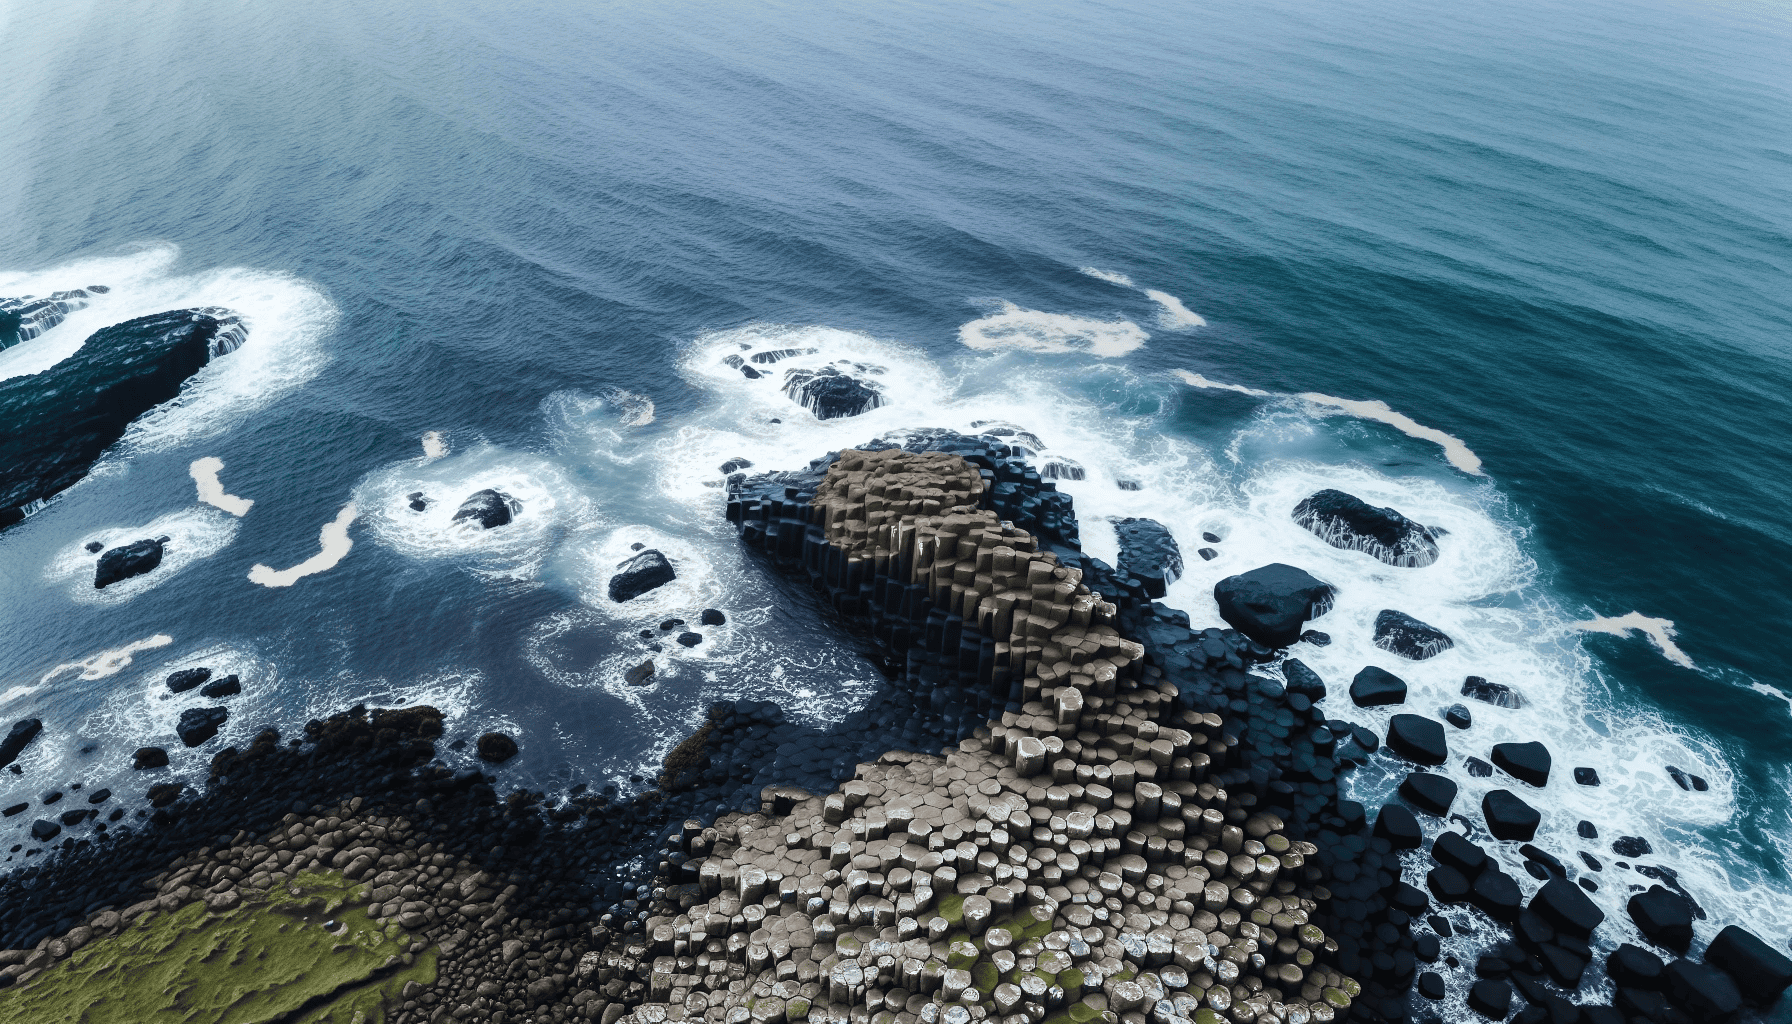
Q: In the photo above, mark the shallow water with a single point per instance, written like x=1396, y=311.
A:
x=511, y=246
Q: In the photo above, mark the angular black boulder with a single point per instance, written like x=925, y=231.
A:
x=1586, y=777
x=1761, y=971
x=44, y=830
x=1491, y=999
x=1346, y=521
x=1377, y=687
x=1633, y=966
x=1497, y=894
x=21, y=734
x=1400, y=633
x=1270, y=604
x=689, y=639
x=54, y=424
x=712, y=617
x=1632, y=846
x=1148, y=553
x=1458, y=716
x=1430, y=793
x=1498, y=694
x=1564, y=905
x=640, y=574
x=1447, y=884
x=149, y=757
x=1418, y=739
x=1303, y=680
x=1453, y=849
x=1509, y=817
x=830, y=394
x=1663, y=917
x=1527, y=762
x=187, y=678
x=229, y=686
x=127, y=560
x=197, y=725
x=488, y=508
x=1397, y=825
x=1707, y=993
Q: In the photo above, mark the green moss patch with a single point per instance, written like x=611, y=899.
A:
x=270, y=957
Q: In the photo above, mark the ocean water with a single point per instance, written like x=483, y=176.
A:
x=1520, y=270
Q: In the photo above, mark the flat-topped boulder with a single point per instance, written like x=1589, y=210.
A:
x=1345, y=521
x=831, y=394
x=1377, y=687
x=1400, y=633
x=1148, y=553
x=128, y=560
x=488, y=509
x=1272, y=604
x=646, y=571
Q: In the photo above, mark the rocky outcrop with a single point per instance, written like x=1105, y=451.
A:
x=197, y=725
x=488, y=509
x=26, y=317
x=17, y=738
x=1272, y=604
x=1148, y=553
x=640, y=574
x=54, y=424
x=1346, y=521
x=1400, y=633
x=830, y=394
x=127, y=560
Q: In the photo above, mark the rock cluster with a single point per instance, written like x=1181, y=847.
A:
x=26, y=317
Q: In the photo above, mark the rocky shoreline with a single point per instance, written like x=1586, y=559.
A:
x=1123, y=819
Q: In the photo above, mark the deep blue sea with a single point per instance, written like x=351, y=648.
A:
x=1188, y=246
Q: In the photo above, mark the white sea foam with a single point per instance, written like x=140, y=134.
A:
x=1455, y=451
x=435, y=445
x=1174, y=316
x=105, y=663
x=194, y=533
x=1659, y=631
x=1773, y=691
x=287, y=318
x=1029, y=330
x=333, y=545
x=211, y=489
x=1111, y=277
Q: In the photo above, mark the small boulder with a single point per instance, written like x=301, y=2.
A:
x=1587, y=830
x=1491, y=999
x=1207, y=554
x=1527, y=762
x=164, y=793
x=1707, y=993
x=1632, y=847
x=1453, y=849
x=1633, y=966
x=126, y=561
x=187, y=678
x=1400, y=633
x=1663, y=917
x=640, y=675
x=1430, y=793
x=1317, y=638
x=1303, y=680
x=1377, y=687
x=1271, y=604
x=690, y=639
x=44, y=830
x=488, y=509
x=1761, y=971
x=1345, y=521
x=1397, y=825
x=75, y=817
x=830, y=394
x=229, y=686
x=13, y=810
x=94, y=547
x=1586, y=777
x=1418, y=739
x=1431, y=986
x=1458, y=716
x=149, y=757
x=1509, y=817
x=1497, y=894
x=640, y=574
x=99, y=796
x=1477, y=768
x=712, y=617
x=1565, y=906
x=1498, y=694
x=496, y=747
x=197, y=725
x=18, y=737
x=1447, y=884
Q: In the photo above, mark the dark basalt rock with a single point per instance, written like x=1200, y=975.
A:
x=1566, y=907
x=830, y=394
x=640, y=675
x=1545, y=860
x=1303, y=680
x=689, y=639
x=1458, y=716
x=1453, y=849
x=1316, y=638
x=1418, y=739
x=489, y=508
x=99, y=796
x=1377, y=687
x=164, y=793
x=20, y=735
x=1509, y=817
x=1707, y=993
x=1586, y=777
x=1397, y=825
x=1272, y=603
x=1400, y=633
x=1497, y=894
x=51, y=797
x=26, y=317
x=1491, y=999
x=496, y=747
x=1477, y=768
x=187, y=678
x=1563, y=966
x=1635, y=967
x=94, y=547
x=149, y=757
x=1148, y=554
x=1527, y=762
x=1207, y=554
x=1632, y=846
x=1663, y=918
x=1498, y=694
x=200, y=724
x=1447, y=884
x=1761, y=971
x=1587, y=830
x=54, y=424
x=1346, y=521
x=417, y=500
x=16, y=809
x=75, y=817
x=712, y=617
x=640, y=574
x=1431, y=985
x=44, y=830
x=229, y=686
x=128, y=560
x=1432, y=794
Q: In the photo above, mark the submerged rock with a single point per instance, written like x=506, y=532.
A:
x=1345, y=521
x=21, y=734
x=830, y=394
x=640, y=574
x=496, y=747
x=1148, y=553
x=1272, y=603
x=488, y=508
x=54, y=424
x=127, y=560
x=1498, y=694
x=1400, y=633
